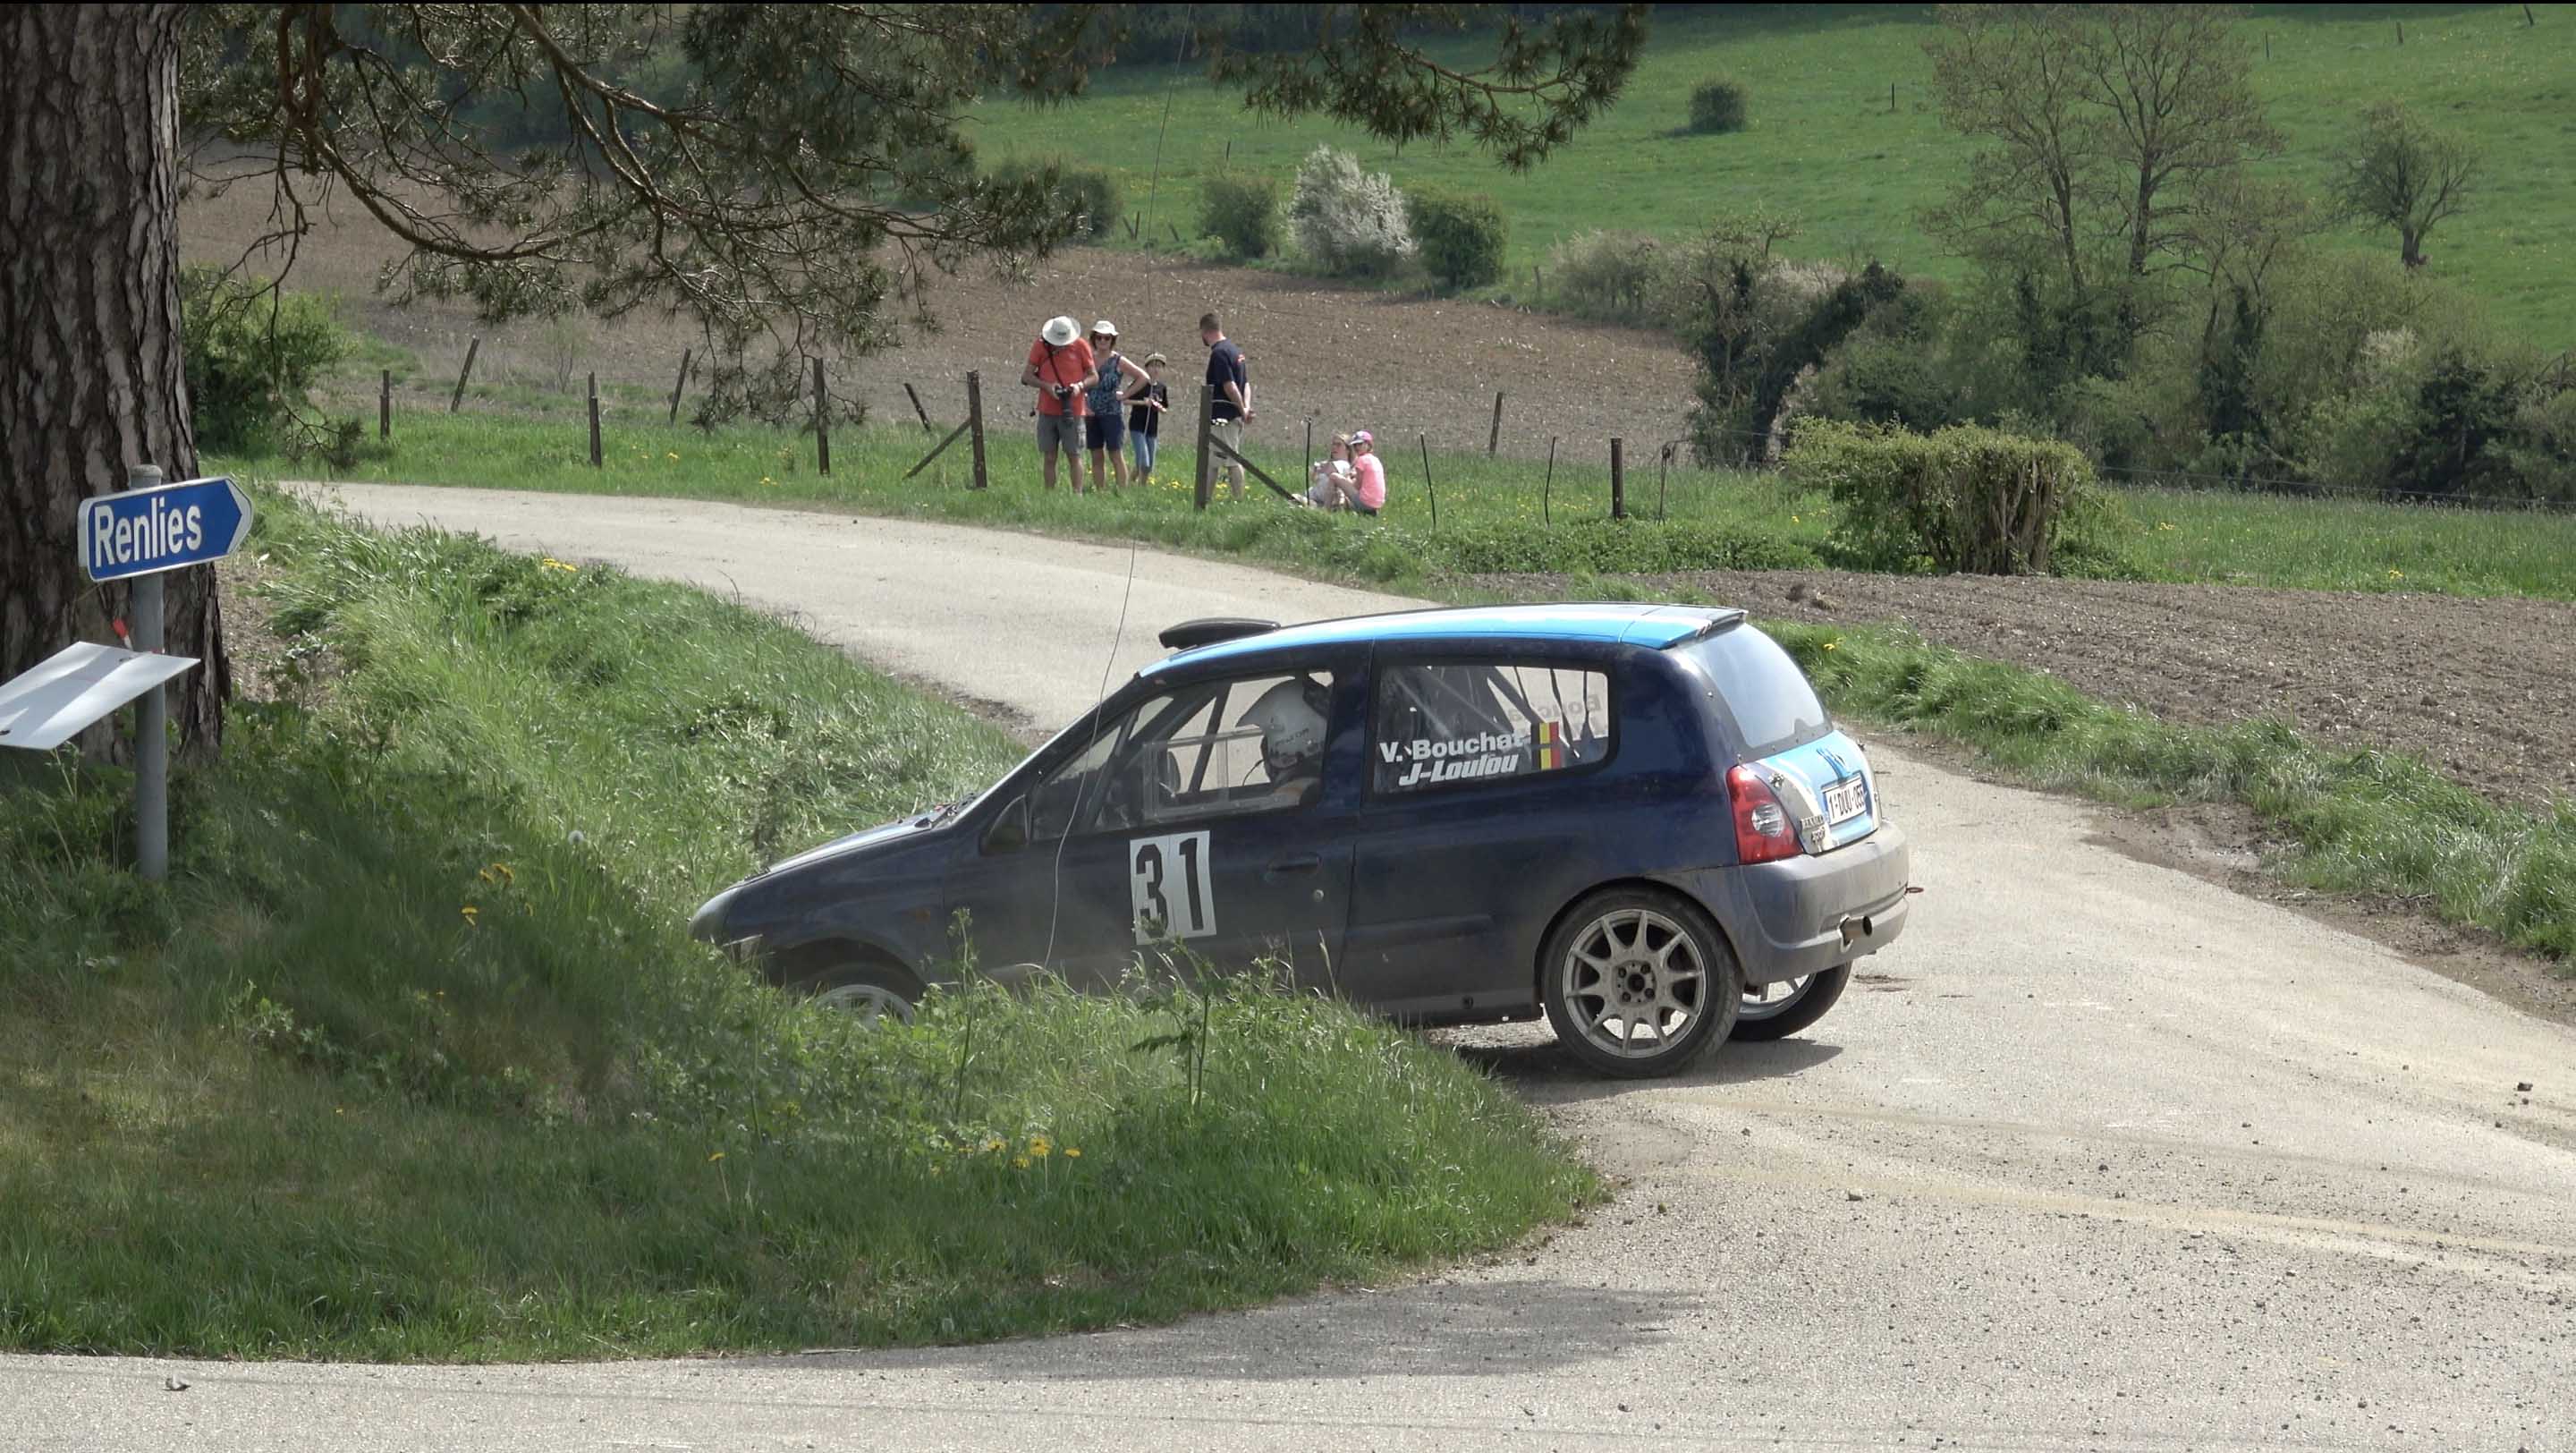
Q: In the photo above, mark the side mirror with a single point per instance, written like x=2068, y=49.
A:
x=1009, y=830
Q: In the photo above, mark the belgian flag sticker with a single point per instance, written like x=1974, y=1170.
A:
x=1551, y=745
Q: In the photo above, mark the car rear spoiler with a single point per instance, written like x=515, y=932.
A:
x=1208, y=632
x=1718, y=623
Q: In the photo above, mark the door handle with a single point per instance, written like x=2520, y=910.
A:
x=1302, y=863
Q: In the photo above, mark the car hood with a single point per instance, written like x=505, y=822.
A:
x=857, y=842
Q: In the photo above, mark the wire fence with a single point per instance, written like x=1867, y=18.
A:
x=1673, y=460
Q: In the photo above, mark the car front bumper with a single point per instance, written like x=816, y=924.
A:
x=1805, y=915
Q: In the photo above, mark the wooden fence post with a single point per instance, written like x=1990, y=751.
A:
x=385, y=405
x=1618, y=481
x=594, y=421
x=1428, y=487
x=822, y=423
x=472, y=347
x=1207, y=422
x=1494, y=436
x=918, y=411
x=679, y=384
x=975, y=421
x=1309, y=475
x=1548, y=485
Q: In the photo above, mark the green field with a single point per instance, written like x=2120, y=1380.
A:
x=1824, y=145
x=1494, y=515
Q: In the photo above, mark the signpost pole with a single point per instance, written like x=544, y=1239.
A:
x=151, y=721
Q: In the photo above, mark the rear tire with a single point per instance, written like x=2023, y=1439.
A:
x=872, y=991
x=1638, y=982
x=1782, y=1015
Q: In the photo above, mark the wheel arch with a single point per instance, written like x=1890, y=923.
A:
x=1556, y=920
x=789, y=965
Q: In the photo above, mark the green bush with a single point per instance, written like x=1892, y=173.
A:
x=1088, y=191
x=1717, y=106
x=252, y=355
x=1965, y=499
x=1242, y=212
x=1606, y=275
x=1460, y=235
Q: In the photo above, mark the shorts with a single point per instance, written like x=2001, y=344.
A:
x=1059, y=431
x=1360, y=509
x=1105, y=431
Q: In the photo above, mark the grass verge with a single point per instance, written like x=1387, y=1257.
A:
x=411, y=1059
x=2365, y=822
x=1493, y=514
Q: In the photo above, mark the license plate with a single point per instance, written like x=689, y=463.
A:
x=1846, y=800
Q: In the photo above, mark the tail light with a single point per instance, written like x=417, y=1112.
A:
x=1764, y=832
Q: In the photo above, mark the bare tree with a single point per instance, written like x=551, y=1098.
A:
x=2104, y=126
x=2401, y=173
x=805, y=166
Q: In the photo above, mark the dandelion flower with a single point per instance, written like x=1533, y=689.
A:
x=674, y=458
x=1829, y=645
x=472, y=914
x=1019, y=1162
x=719, y=1155
x=1073, y=1152
x=1039, y=1148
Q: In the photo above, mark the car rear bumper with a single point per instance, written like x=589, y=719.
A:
x=1794, y=918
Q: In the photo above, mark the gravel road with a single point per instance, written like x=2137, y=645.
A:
x=2099, y=1156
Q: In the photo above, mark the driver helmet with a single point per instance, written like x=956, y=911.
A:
x=1291, y=718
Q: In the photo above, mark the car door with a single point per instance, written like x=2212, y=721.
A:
x=1170, y=830
x=1478, y=822
x=1238, y=854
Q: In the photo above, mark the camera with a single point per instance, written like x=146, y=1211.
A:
x=1063, y=390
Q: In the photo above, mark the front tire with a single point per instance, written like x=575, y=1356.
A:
x=1776, y=1011
x=1638, y=982
x=872, y=991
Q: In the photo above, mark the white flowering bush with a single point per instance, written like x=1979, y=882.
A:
x=1349, y=221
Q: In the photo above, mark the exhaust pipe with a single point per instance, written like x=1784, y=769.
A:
x=1862, y=923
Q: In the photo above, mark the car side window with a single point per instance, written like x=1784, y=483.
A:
x=1440, y=724
x=1212, y=749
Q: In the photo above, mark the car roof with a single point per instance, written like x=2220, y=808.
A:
x=1609, y=623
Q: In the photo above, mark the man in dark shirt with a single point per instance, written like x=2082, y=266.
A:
x=1233, y=403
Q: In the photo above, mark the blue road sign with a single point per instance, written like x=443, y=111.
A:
x=145, y=531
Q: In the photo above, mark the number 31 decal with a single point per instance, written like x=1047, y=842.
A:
x=1167, y=880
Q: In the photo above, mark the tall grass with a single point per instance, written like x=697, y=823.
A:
x=412, y=1058
x=1493, y=514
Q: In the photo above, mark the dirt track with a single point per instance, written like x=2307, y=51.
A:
x=2484, y=689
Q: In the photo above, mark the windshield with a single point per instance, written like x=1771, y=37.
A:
x=1762, y=690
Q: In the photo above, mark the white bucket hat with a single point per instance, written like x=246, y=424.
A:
x=1060, y=330
x=1105, y=326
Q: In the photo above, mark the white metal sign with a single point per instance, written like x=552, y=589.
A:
x=75, y=687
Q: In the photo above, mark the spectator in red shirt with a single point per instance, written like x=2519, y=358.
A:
x=1060, y=369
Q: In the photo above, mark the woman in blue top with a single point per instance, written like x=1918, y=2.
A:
x=1104, y=428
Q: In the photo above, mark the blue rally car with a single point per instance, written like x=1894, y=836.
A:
x=1638, y=820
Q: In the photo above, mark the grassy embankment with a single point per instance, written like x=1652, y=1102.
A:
x=411, y=1058
x=1824, y=146
x=2366, y=822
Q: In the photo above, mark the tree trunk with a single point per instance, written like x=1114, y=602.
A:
x=90, y=375
x=2410, y=246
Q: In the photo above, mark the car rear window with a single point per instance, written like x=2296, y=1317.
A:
x=1762, y=689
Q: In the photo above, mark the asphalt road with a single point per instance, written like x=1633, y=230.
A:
x=2100, y=1156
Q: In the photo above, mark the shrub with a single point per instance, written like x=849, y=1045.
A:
x=1609, y=275
x=1717, y=106
x=1090, y=193
x=1243, y=212
x=1461, y=236
x=1350, y=222
x=1963, y=499
x=252, y=356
